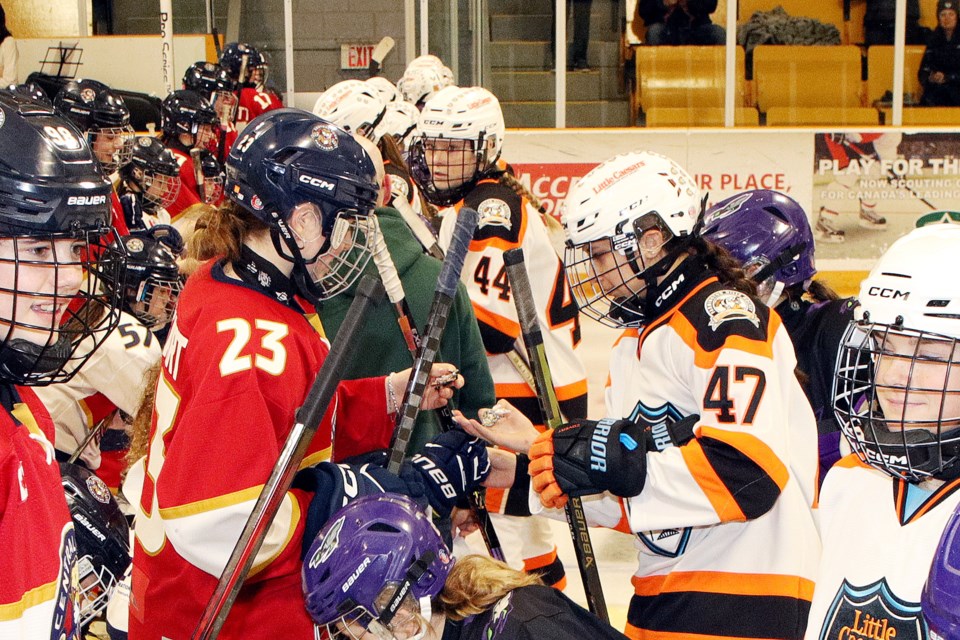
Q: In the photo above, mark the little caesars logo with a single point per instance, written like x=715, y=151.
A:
x=872, y=612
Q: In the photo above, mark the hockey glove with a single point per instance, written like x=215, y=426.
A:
x=587, y=457
x=452, y=465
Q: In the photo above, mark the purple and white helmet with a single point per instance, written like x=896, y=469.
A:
x=768, y=232
x=375, y=554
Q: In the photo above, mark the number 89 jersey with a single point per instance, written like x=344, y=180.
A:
x=507, y=221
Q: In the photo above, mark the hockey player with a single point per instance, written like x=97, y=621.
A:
x=898, y=404
x=153, y=178
x=769, y=233
x=412, y=587
x=454, y=162
x=211, y=191
x=420, y=82
x=214, y=84
x=53, y=218
x=719, y=491
x=188, y=122
x=248, y=67
x=236, y=366
x=940, y=600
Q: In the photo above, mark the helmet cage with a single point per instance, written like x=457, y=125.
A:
x=120, y=154
x=159, y=190
x=56, y=349
x=225, y=103
x=471, y=162
x=344, y=256
x=154, y=301
x=908, y=448
x=96, y=586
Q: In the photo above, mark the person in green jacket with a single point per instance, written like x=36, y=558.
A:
x=380, y=344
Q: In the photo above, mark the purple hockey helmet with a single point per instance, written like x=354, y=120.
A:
x=941, y=595
x=371, y=557
x=767, y=231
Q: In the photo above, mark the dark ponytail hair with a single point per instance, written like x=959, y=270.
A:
x=727, y=267
x=4, y=32
x=816, y=290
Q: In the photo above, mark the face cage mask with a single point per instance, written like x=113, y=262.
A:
x=212, y=189
x=51, y=328
x=119, y=141
x=769, y=289
x=598, y=301
x=358, y=621
x=257, y=76
x=154, y=301
x=225, y=103
x=159, y=191
x=912, y=454
x=96, y=585
x=472, y=162
x=341, y=259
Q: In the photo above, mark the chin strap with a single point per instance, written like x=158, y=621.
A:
x=413, y=575
x=23, y=360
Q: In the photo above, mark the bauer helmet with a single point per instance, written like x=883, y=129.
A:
x=458, y=140
x=897, y=385
x=103, y=117
x=103, y=538
x=609, y=259
x=354, y=106
x=212, y=173
x=59, y=298
x=376, y=560
x=152, y=278
x=213, y=84
x=153, y=173
x=288, y=157
x=768, y=232
x=187, y=112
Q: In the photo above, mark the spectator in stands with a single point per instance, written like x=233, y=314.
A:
x=8, y=53
x=676, y=22
x=940, y=68
x=879, y=20
x=577, y=53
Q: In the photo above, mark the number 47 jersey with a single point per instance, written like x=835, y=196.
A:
x=507, y=221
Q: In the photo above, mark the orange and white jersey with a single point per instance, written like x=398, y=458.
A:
x=113, y=378
x=725, y=522
x=879, y=537
x=507, y=221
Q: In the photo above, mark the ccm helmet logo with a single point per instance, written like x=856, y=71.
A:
x=884, y=292
x=318, y=183
x=84, y=201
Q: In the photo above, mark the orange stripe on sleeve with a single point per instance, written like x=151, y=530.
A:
x=713, y=487
x=572, y=390
x=755, y=449
x=501, y=324
x=708, y=359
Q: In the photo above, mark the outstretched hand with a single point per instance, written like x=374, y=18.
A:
x=512, y=430
x=444, y=380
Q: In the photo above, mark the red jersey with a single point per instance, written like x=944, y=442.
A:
x=188, y=194
x=38, y=589
x=254, y=102
x=236, y=366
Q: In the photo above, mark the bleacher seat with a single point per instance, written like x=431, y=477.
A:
x=699, y=117
x=807, y=76
x=822, y=116
x=926, y=116
x=880, y=71
x=690, y=77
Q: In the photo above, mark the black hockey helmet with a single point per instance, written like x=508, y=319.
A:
x=103, y=116
x=254, y=71
x=33, y=91
x=103, y=538
x=212, y=172
x=287, y=157
x=185, y=111
x=52, y=190
x=216, y=86
x=154, y=173
x=153, y=280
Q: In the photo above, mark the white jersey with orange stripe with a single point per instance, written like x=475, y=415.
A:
x=725, y=522
x=507, y=221
x=879, y=537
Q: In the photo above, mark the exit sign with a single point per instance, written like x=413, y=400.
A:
x=355, y=56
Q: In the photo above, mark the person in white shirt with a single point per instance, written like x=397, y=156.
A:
x=8, y=53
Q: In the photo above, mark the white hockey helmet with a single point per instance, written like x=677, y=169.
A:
x=387, y=91
x=354, y=106
x=897, y=393
x=618, y=201
x=471, y=114
x=400, y=121
x=418, y=84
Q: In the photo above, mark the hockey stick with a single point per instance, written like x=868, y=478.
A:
x=436, y=321
x=533, y=337
x=396, y=295
x=383, y=48
x=87, y=440
x=198, y=175
x=308, y=418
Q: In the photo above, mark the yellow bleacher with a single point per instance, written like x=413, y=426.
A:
x=880, y=71
x=699, y=117
x=822, y=116
x=691, y=76
x=926, y=116
x=807, y=76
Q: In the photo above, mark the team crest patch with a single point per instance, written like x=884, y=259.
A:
x=256, y=203
x=99, y=489
x=400, y=186
x=144, y=141
x=330, y=542
x=872, y=611
x=88, y=94
x=730, y=208
x=494, y=212
x=325, y=137
x=134, y=245
x=3, y=118
x=730, y=305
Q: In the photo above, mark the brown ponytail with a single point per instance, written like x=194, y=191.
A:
x=221, y=232
x=507, y=179
x=727, y=267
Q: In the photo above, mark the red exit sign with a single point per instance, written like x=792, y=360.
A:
x=355, y=56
